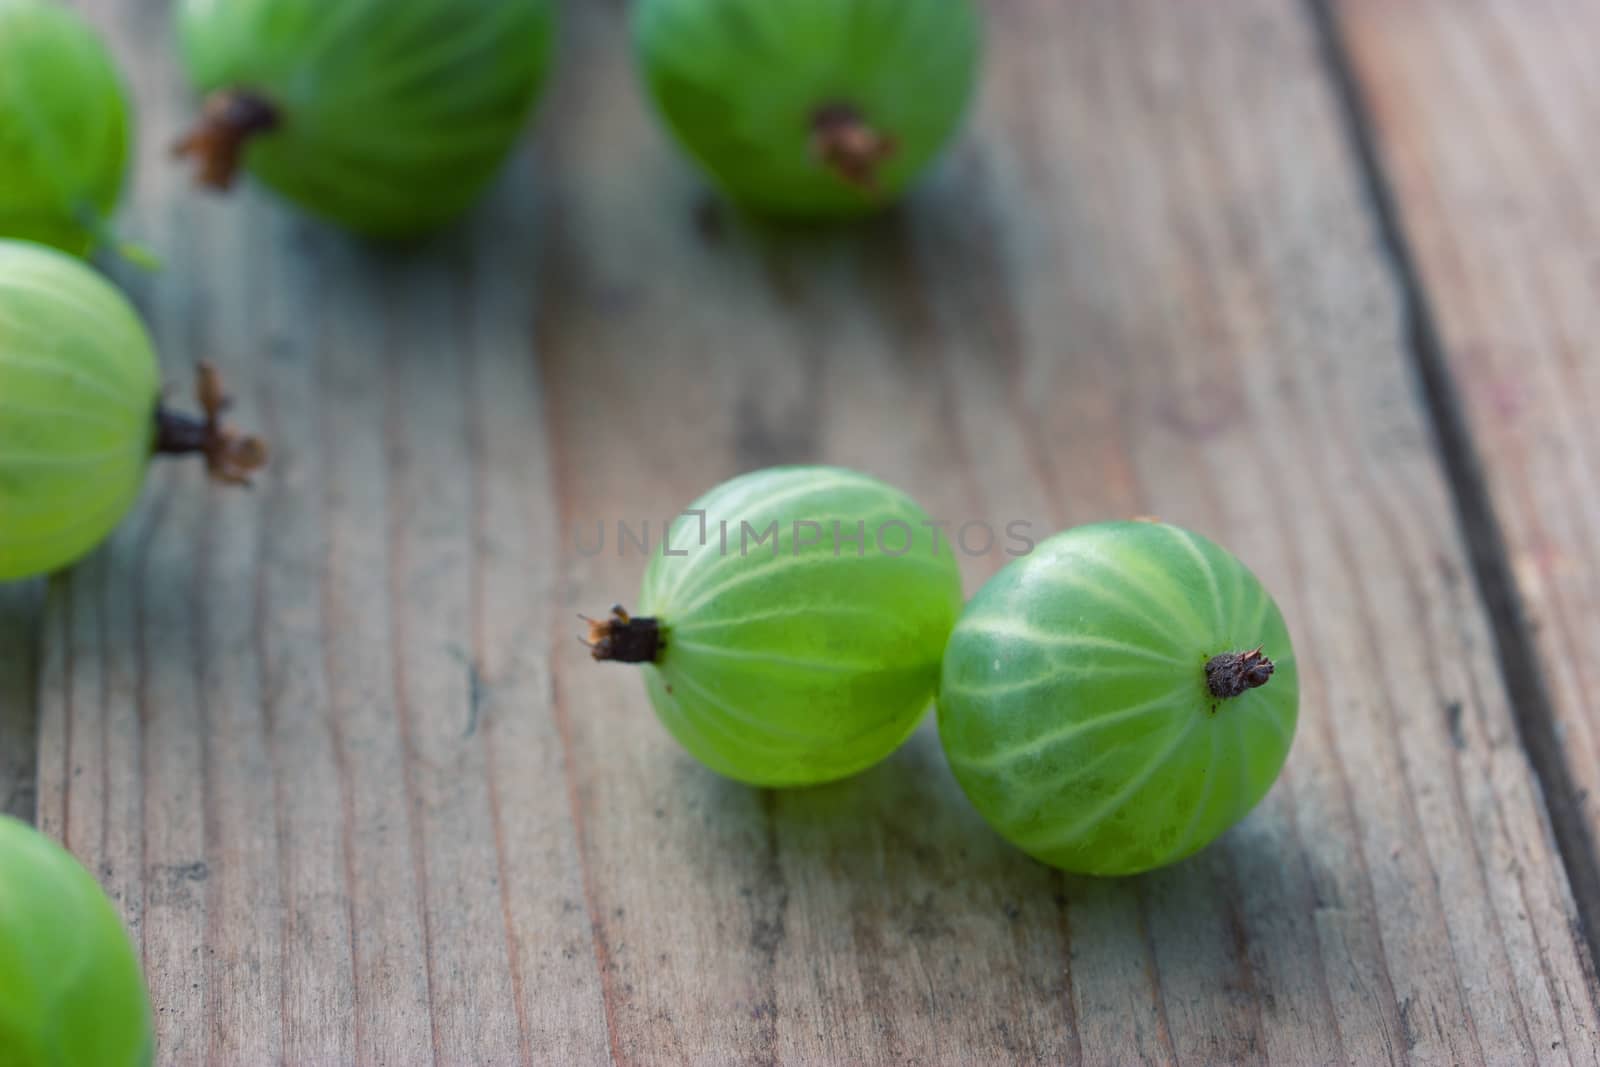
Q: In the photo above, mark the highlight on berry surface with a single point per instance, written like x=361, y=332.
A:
x=819, y=109
x=65, y=130
x=1116, y=700
x=791, y=623
x=388, y=117
x=71, y=991
x=81, y=413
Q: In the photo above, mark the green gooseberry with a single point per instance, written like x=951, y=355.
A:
x=1118, y=698
x=791, y=624
x=810, y=108
x=71, y=991
x=81, y=413
x=388, y=117
x=65, y=130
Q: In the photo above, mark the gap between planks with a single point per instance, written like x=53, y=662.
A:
x=21, y=616
x=1533, y=710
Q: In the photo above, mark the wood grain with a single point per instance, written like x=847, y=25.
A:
x=332, y=746
x=1149, y=285
x=1484, y=115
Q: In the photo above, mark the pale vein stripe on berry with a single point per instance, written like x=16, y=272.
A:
x=1204, y=802
x=1263, y=615
x=1158, y=617
x=877, y=616
x=329, y=35
x=823, y=666
x=1236, y=599
x=728, y=510
x=63, y=415
x=1059, y=673
x=1241, y=743
x=1108, y=807
x=93, y=310
x=709, y=728
x=1034, y=745
x=1262, y=711
x=87, y=459
x=1158, y=587
x=73, y=374
x=1019, y=631
x=748, y=575
x=1204, y=562
x=698, y=732
x=103, y=516
x=782, y=565
x=729, y=711
x=110, y=480
x=428, y=64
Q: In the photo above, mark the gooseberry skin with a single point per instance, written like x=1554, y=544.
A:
x=393, y=115
x=65, y=130
x=742, y=84
x=795, y=666
x=71, y=991
x=79, y=388
x=1074, y=704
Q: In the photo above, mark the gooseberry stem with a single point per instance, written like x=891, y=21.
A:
x=231, y=457
x=230, y=118
x=848, y=144
x=622, y=638
x=1232, y=673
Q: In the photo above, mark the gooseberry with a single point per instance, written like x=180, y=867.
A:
x=791, y=624
x=386, y=116
x=1118, y=698
x=810, y=108
x=71, y=992
x=64, y=128
x=80, y=411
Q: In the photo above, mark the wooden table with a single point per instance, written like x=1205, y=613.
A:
x=1317, y=278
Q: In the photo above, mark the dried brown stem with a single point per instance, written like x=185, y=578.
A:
x=848, y=144
x=1233, y=673
x=231, y=457
x=621, y=638
x=227, y=123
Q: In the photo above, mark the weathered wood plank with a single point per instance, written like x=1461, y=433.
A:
x=333, y=749
x=304, y=734
x=1484, y=116
x=1149, y=285
x=21, y=607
